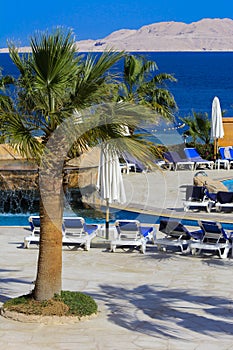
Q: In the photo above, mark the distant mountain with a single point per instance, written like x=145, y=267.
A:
x=205, y=35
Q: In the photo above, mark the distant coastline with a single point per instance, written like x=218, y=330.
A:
x=206, y=35
x=28, y=50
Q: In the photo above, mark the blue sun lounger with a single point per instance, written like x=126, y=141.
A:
x=174, y=158
x=226, y=154
x=176, y=235
x=75, y=232
x=133, y=163
x=197, y=197
x=34, y=222
x=224, y=200
x=215, y=238
x=194, y=156
x=131, y=234
x=34, y=237
x=78, y=233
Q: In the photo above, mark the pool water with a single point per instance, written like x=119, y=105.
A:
x=91, y=217
x=229, y=184
x=13, y=220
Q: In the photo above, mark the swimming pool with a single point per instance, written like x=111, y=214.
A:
x=90, y=217
x=229, y=184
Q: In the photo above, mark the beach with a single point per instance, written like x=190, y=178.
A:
x=158, y=300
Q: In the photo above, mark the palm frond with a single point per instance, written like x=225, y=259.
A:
x=54, y=64
x=22, y=137
x=91, y=81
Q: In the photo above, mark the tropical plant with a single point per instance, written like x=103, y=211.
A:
x=47, y=123
x=141, y=86
x=5, y=100
x=199, y=127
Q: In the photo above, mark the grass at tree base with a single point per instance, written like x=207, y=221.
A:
x=68, y=303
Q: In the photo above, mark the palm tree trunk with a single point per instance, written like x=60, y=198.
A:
x=49, y=268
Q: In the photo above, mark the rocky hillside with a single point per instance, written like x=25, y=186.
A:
x=204, y=35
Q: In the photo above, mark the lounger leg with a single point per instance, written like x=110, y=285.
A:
x=225, y=253
x=26, y=244
x=153, y=238
x=113, y=248
x=185, y=251
x=209, y=207
x=87, y=245
x=181, y=248
x=195, y=251
x=143, y=248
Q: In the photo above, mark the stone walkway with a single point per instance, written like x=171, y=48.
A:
x=152, y=301
x=163, y=193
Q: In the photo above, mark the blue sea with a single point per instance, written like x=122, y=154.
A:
x=200, y=76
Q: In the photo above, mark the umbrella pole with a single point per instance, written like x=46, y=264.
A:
x=107, y=220
x=215, y=148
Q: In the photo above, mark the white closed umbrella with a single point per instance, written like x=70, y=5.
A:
x=110, y=183
x=217, y=131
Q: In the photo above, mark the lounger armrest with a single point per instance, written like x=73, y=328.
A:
x=145, y=230
x=230, y=237
x=197, y=235
x=90, y=228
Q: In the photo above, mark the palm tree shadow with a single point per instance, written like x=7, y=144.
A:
x=160, y=312
x=220, y=263
x=5, y=282
x=169, y=253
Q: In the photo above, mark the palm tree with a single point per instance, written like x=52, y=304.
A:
x=48, y=124
x=5, y=100
x=199, y=127
x=141, y=86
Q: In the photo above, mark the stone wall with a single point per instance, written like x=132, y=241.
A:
x=16, y=179
x=19, y=189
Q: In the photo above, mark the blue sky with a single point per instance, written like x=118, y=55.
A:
x=90, y=19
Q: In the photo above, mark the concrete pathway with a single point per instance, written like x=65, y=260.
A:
x=163, y=193
x=152, y=301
